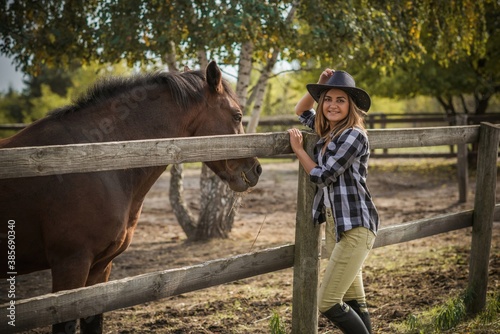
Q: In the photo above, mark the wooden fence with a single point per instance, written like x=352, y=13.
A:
x=374, y=120
x=303, y=255
x=382, y=120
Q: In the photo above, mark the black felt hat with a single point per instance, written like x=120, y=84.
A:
x=342, y=80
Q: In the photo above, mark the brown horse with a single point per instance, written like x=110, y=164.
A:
x=76, y=224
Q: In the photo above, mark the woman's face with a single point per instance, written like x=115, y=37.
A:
x=335, y=106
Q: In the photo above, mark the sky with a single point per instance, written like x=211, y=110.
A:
x=9, y=77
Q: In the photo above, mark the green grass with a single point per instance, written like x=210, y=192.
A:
x=451, y=317
x=275, y=324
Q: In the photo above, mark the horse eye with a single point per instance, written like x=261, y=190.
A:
x=237, y=117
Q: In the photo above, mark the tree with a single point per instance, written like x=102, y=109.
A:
x=459, y=67
x=142, y=32
x=371, y=36
x=446, y=51
x=218, y=203
x=12, y=105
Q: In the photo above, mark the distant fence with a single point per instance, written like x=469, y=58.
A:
x=303, y=255
x=374, y=120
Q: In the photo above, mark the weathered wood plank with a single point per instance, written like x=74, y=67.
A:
x=423, y=228
x=484, y=207
x=63, y=159
x=417, y=137
x=66, y=305
x=84, y=302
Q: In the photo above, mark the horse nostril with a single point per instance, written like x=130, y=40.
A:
x=258, y=169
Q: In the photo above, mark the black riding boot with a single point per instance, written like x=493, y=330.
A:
x=362, y=311
x=346, y=319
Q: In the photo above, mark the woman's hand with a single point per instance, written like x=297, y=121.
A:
x=325, y=75
x=296, y=139
x=297, y=143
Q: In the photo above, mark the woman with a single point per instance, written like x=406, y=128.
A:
x=342, y=198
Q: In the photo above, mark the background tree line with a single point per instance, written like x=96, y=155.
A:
x=397, y=49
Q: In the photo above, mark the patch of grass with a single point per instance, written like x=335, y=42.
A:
x=492, y=310
x=451, y=317
x=450, y=314
x=275, y=324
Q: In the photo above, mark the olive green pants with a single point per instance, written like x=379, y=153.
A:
x=343, y=280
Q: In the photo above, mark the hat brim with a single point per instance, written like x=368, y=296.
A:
x=360, y=97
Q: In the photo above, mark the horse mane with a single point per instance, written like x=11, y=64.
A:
x=186, y=88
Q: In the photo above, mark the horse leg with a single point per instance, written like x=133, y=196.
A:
x=69, y=273
x=94, y=324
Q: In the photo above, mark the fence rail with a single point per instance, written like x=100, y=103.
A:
x=303, y=255
x=84, y=302
x=63, y=159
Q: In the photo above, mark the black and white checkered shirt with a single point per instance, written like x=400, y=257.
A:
x=343, y=169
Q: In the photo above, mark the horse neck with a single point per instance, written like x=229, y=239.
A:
x=117, y=120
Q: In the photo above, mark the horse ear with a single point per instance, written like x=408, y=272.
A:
x=214, y=77
x=186, y=68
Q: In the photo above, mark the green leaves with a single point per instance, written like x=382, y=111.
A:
x=377, y=37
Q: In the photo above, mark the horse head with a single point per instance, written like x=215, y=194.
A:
x=224, y=116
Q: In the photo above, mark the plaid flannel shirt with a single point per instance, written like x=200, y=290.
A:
x=343, y=169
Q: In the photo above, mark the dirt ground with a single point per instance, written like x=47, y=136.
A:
x=400, y=279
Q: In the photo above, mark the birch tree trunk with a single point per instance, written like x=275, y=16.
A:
x=170, y=59
x=176, y=197
x=176, y=191
x=260, y=88
x=244, y=72
x=217, y=207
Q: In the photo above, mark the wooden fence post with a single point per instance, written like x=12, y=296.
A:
x=307, y=255
x=462, y=164
x=484, y=206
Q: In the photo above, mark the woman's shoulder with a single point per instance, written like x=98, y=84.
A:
x=308, y=113
x=354, y=131
x=353, y=135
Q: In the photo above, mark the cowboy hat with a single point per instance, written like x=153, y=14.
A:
x=344, y=81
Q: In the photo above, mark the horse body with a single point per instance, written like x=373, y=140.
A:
x=75, y=224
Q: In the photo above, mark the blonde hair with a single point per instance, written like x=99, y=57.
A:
x=355, y=118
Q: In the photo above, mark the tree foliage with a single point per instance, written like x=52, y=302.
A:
x=459, y=69
x=375, y=33
x=45, y=32
x=51, y=89
x=438, y=48
x=396, y=48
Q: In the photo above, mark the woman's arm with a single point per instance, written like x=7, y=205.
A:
x=307, y=101
x=304, y=104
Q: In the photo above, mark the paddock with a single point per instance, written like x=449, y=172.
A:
x=303, y=255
